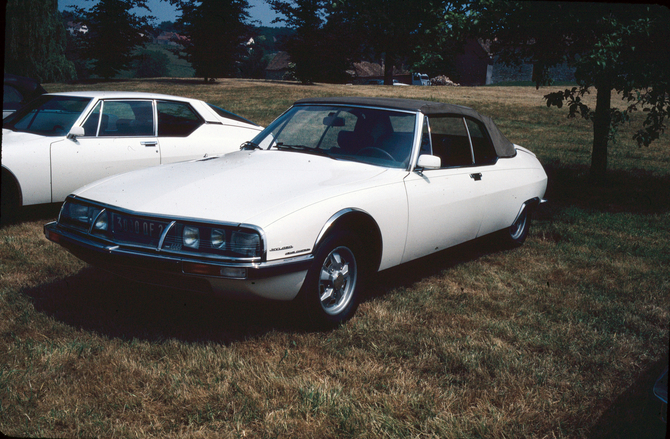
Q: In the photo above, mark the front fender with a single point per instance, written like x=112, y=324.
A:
x=378, y=215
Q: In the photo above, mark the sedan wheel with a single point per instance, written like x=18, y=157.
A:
x=517, y=232
x=330, y=292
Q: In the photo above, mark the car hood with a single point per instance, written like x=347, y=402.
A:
x=10, y=137
x=240, y=187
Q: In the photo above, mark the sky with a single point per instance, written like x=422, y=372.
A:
x=164, y=11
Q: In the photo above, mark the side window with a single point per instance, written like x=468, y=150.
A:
x=484, y=151
x=91, y=124
x=127, y=119
x=450, y=141
x=176, y=119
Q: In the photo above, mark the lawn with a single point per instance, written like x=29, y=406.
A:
x=561, y=338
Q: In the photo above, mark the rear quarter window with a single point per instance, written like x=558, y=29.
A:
x=176, y=119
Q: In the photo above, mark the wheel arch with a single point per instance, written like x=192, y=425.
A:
x=10, y=181
x=361, y=224
x=531, y=205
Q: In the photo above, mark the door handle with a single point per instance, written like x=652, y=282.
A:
x=477, y=176
x=149, y=143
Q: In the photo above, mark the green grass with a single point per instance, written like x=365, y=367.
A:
x=562, y=337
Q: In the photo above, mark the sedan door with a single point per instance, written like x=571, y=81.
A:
x=120, y=136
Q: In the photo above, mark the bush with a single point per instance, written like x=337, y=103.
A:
x=151, y=64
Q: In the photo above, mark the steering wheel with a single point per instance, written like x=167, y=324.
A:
x=378, y=151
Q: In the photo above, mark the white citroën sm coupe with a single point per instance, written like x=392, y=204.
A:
x=334, y=190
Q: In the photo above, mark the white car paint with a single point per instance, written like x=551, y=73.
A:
x=47, y=168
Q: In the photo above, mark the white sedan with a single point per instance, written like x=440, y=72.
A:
x=331, y=192
x=62, y=141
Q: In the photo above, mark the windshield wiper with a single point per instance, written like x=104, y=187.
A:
x=249, y=145
x=302, y=148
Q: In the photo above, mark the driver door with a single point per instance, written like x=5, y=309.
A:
x=445, y=205
x=120, y=136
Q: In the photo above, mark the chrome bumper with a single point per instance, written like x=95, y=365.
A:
x=280, y=280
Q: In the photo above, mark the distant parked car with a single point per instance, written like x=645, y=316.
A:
x=17, y=91
x=331, y=192
x=420, y=79
x=62, y=141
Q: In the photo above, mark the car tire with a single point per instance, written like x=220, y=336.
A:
x=517, y=233
x=331, y=292
x=9, y=203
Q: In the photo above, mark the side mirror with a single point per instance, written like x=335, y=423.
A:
x=75, y=132
x=427, y=161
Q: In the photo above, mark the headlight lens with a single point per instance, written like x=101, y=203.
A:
x=218, y=238
x=78, y=215
x=245, y=244
x=102, y=223
x=191, y=237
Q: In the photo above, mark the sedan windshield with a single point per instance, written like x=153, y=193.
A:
x=47, y=115
x=369, y=135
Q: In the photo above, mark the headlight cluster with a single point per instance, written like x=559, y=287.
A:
x=230, y=241
x=81, y=216
x=172, y=236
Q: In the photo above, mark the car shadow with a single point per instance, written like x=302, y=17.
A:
x=45, y=212
x=636, y=413
x=406, y=275
x=95, y=300
x=98, y=301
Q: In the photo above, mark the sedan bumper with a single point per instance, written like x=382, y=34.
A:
x=278, y=280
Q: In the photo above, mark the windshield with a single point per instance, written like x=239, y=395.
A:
x=374, y=136
x=47, y=115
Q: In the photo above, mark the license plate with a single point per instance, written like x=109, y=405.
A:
x=137, y=230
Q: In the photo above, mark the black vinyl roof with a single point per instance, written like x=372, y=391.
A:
x=504, y=148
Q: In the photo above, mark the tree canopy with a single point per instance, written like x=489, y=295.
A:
x=216, y=33
x=330, y=35
x=35, y=41
x=114, y=33
x=318, y=46
x=622, y=48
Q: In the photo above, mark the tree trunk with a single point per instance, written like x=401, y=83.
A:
x=601, y=128
x=389, y=60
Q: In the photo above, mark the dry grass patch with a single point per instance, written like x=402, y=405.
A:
x=562, y=337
